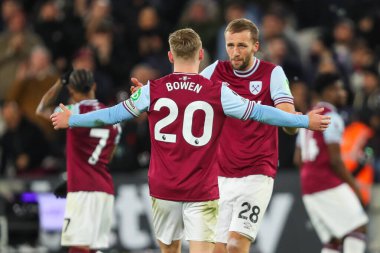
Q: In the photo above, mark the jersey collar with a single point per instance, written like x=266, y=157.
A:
x=250, y=71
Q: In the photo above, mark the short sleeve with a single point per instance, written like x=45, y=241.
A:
x=279, y=87
x=334, y=132
x=234, y=105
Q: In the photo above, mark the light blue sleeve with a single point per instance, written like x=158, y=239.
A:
x=234, y=105
x=209, y=70
x=126, y=110
x=238, y=107
x=276, y=117
x=279, y=87
x=334, y=132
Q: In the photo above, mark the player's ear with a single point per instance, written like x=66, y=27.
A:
x=170, y=56
x=256, y=46
x=201, y=54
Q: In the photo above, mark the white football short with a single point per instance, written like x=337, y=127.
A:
x=88, y=219
x=195, y=220
x=334, y=212
x=242, y=204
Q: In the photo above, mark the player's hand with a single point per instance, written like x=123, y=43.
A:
x=61, y=190
x=61, y=119
x=137, y=85
x=318, y=122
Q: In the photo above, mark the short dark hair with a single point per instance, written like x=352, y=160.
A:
x=81, y=80
x=325, y=80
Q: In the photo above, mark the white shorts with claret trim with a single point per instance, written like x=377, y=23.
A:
x=242, y=204
x=88, y=219
x=334, y=212
x=195, y=220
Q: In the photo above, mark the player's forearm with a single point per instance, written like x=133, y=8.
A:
x=288, y=107
x=276, y=117
x=46, y=105
x=108, y=116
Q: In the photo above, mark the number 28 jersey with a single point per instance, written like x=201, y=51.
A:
x=186, y=113
x=89, y=151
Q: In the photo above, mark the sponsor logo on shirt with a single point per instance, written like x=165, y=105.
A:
x=255, y=87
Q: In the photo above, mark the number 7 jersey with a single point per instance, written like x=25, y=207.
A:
x=88, y=152
x=186, y=113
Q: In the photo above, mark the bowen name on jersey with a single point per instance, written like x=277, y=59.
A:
x=183, y=85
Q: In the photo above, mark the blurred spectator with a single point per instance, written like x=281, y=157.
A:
x=203, y=17
x=110, y=57
x=275, y=24
x=151, y=37
x=8, y=9
x=368, y=28
x=367, y=99
x=35, y=78
x=362, y=57
x=85, y=59
x=16, y=43
x=23, y=144
x=100, y=11
x=49, y=25
x=343, y=39
x=134, y=146
x=278, y=53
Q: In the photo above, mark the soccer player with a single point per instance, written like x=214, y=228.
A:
x=248, y=153
x=330, y=193
x=90, y=197
x=186, y=114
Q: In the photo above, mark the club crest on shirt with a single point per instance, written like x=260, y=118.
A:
x=255, y=87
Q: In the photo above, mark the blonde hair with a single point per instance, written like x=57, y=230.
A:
x=243, y=24
x=185, y=43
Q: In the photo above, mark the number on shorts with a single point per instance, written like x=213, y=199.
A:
x=254, y=216
x=66, y=222
x=103, y=135
x=187, y=122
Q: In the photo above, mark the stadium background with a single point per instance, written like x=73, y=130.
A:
x=118, y=39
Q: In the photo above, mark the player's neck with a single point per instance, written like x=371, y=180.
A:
x=186, y=67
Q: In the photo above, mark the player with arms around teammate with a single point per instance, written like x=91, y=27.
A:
x=248, y=153
x=186, y=113
x=90, y=197
x=330, y=193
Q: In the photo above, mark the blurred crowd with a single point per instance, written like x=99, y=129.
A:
x=118, y=39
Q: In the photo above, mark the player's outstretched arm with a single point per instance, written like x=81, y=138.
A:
x=241, y=108
x=108, y=116
x=273, y=116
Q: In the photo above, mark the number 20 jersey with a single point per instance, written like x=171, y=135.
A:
x=89, y=151
x=186, y=115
